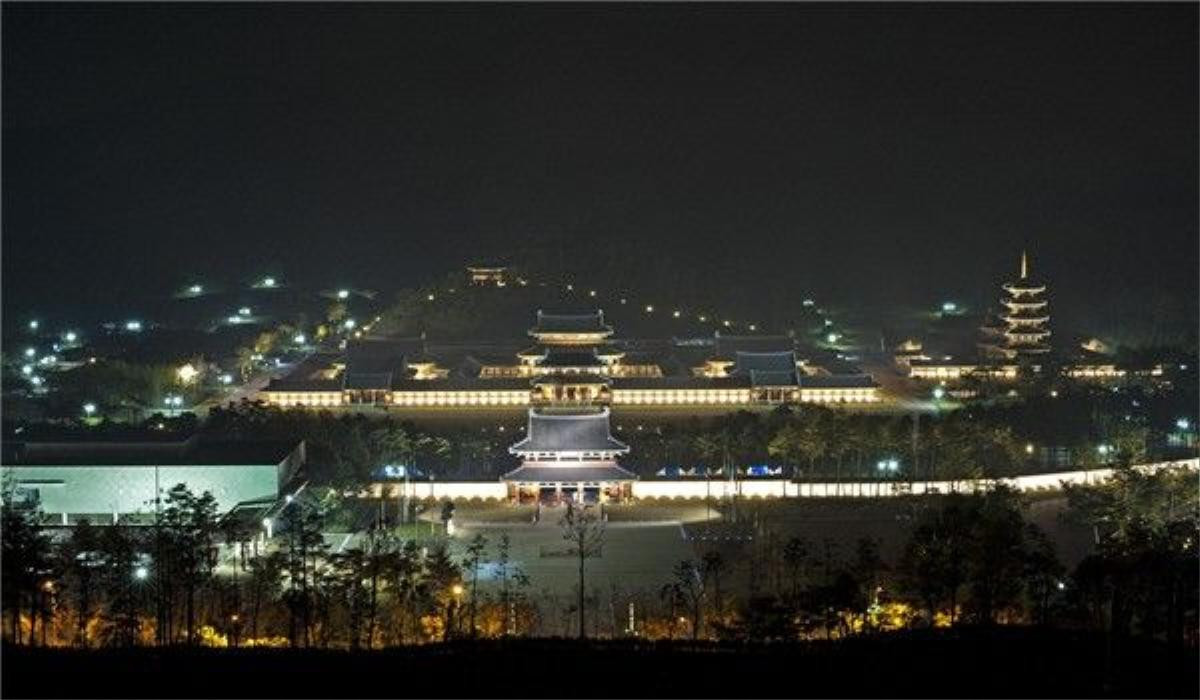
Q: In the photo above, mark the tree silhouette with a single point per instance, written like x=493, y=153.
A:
x=585, y=532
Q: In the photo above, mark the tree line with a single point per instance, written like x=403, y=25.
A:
x=969, y=559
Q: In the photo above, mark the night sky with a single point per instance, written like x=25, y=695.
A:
x=872, y=154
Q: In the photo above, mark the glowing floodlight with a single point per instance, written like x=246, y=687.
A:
x=343, y=294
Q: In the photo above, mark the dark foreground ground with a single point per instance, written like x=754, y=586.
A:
x=1007, y=663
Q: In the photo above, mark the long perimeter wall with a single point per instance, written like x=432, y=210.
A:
x=780, y=488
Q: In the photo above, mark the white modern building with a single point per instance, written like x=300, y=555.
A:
x=111, y=482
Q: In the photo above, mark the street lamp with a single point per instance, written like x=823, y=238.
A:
x=30, y=352
x=70, y=336
x=832, y=338
x=938, y=393
x=89, y=408
x=33, y=325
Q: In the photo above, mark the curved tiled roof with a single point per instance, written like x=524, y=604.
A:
x=568, y=432
x=592, y=322
x=552, y=472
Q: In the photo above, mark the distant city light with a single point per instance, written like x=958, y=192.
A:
x=832, y=337
x=133, y=326
x=268, y=282
x=726, y=323
x=938, y=392
x=234, y=319
x=828, y=322
x=622, y=300
x=1054, y=393
x=187, y=373
x=70, y=336
x=349, y=323
x=703, y=319
x=753, y=327
x=1061, y=586
x=808, y=302
x=227, y=379
x=343, y=294
x=1029, y=448
x=27, y=370
x=299, y=339
x=592, y=293
x=30, y=352
x=244, y=311
x=649, y=309
x=33, y=325
x=677, y=313
x=196, y=289
x=949, y=307
x=1103, y=449
x=430, y=297
x=36, y=381
x=570, y=287
x=1183, y=424
x=887, y=465
x=141, y=573
x=89, y=408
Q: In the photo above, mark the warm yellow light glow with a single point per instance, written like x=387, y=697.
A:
x=457, y=590
x=187, y=373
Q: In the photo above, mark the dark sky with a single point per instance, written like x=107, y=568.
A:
x=888, y=153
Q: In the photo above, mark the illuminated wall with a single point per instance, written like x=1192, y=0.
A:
x=620, y=397
x=303, y=398
x=519, y=397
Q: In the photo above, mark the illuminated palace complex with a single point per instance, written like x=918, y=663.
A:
x=573, y=361
x=1016, y=336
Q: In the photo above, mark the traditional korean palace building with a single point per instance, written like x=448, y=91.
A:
x=569, y=454
x=575, y=361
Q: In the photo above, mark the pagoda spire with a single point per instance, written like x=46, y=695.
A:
x=1024, y=266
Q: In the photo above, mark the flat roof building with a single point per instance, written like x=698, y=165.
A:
x=117, y=481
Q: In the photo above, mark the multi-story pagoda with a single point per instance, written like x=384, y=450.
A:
x=1020, y=329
